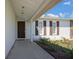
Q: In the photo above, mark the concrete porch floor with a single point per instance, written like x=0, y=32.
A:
x=28, y=50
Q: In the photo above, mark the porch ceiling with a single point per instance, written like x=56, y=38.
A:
x=32, y=9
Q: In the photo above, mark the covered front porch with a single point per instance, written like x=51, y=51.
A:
x=28, y=50
x=27, y=11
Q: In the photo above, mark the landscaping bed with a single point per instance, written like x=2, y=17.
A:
x=60, y=49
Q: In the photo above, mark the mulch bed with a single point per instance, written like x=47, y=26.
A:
x=57, y=54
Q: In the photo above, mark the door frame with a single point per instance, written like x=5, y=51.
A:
x=17, y=30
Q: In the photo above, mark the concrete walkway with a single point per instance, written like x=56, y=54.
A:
x=28, y=50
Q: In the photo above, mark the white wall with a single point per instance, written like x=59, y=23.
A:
x=9, y=27
x=27, y=32
x=64, y=30
x=30, y=30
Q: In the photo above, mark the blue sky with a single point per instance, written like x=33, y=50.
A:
x=63, y=9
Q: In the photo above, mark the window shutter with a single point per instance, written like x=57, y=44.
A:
x=50, y=22
x=36, y=25
x=71, y=29
x=57, y=27
x=44, y=23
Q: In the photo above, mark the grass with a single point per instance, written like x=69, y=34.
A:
x=60, y=49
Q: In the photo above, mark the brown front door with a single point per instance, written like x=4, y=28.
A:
x=21, y=29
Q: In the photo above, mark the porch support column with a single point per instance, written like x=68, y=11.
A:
x=31, y=36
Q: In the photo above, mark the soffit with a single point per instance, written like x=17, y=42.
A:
x=31, y=9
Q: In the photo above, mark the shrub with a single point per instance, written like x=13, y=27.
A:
x=44, y=41
x=57, y=46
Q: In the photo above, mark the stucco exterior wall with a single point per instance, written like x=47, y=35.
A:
x=27, y=32
x=64, y=29
x=9, y=27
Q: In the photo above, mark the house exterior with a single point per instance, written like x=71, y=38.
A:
x=52, y=28
x=48, y=27
x=19, y=17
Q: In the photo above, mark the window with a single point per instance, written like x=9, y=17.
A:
x=36, y=27
x=71, y=28
x=57, y=27
x=44, y=23
x=71, y=23
x=51, y=28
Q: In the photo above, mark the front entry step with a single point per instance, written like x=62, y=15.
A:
x=20, y=39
